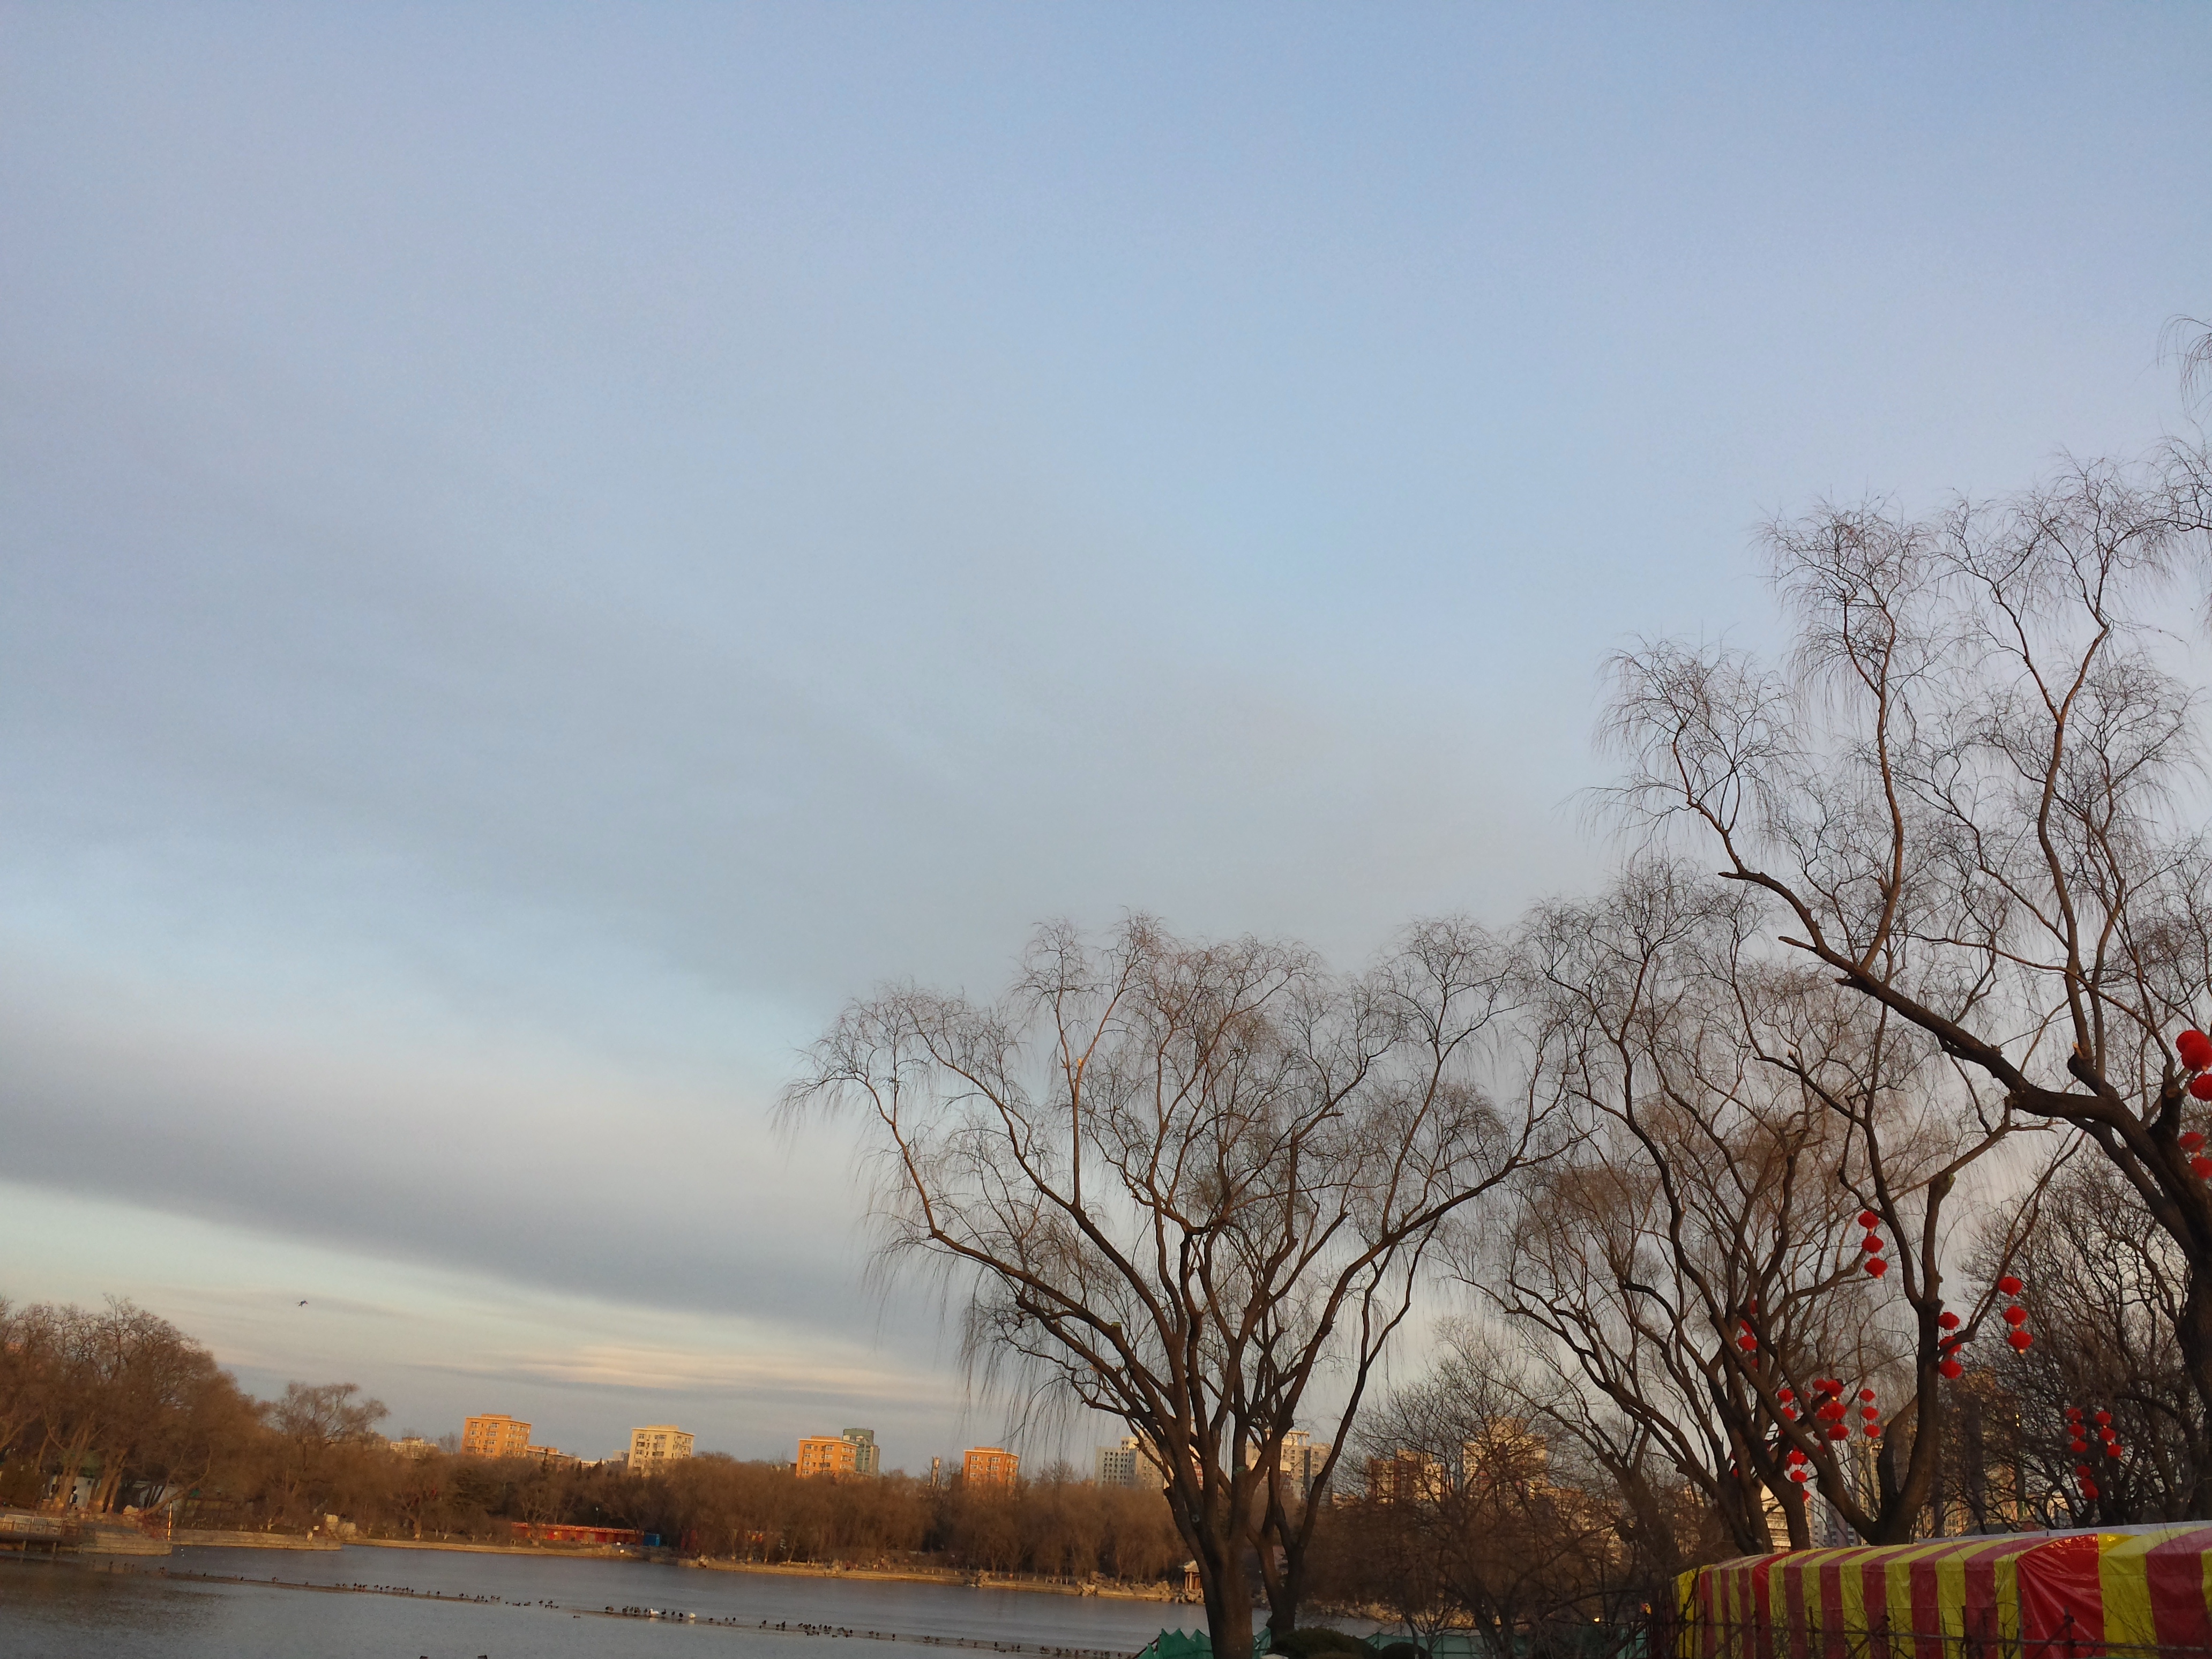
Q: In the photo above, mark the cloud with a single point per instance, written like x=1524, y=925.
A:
x=816, y=1379
x=536, y=564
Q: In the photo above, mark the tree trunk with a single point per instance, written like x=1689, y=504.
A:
x=1228, y=1607
x=1286, y=1589
x=1282, y=1547
x=1218, y=1542
x=2193, y=1330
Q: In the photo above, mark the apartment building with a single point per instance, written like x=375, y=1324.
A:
x=852, y=1451
x=494, y=1434
x=1117, y=1465
x=989, y=1466
x=658, y=1444
x=1301, y=1460
x=826, y=1454
x=1136, y=1463
x=1406, y=1477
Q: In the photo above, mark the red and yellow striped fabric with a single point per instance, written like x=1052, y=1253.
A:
x=2038, y=1595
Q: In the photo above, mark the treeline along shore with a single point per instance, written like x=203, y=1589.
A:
x=117, y=1414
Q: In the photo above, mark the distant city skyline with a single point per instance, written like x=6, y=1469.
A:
x=545, y=552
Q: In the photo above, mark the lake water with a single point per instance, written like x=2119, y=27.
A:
x=534, y=1608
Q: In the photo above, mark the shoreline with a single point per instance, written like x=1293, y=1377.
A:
x=926, y=1576
x=947, y=1577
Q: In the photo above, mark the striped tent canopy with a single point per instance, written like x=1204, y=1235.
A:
x=2125, y=1590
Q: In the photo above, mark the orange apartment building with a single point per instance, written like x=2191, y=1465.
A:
x=826, y=1454
x=989, y=1466
x=495, y=1435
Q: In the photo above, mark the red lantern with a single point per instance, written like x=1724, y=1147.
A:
x=1796, y=1474
x=1951, y=1369
x=1797, y=1455
x=2020, y=1340
x=2089, y=1490
x=1874, y=1430
x=1785, y=1396
x=1878, y=1265
x=2010, y=1284
x=1949, y=1321
x=1871, y=1244
x=1838, y=1431
x=1867, y=1395
x=2195, y=1049
x=2200, y=1086
x=2112, y=1449
x=2083, y=1471
x=1868, y=1220
x=1748, y=1344
x=2103, y=1418
x=2073, y=1413
x=2201, y=1166
x=1872, y=1413
x=2015, y=1314
x=2191, y=1141
x=2077, y=1445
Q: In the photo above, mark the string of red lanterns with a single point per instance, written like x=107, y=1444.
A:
x=2195, y=1049
x=2017, y=1336
x=1876, y=1264
x=1831, y=1411
x=2015, y=1315
x=2077, y=1427
x=1948, y=1347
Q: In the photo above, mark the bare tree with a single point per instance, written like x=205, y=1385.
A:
x=2106, y=1294
x=1183, y=1183
x=313, y=1421
x=120, y=1399
x=1701, y=1261
x=1474, y=1520
x=1965, y=801
x=2188, y=341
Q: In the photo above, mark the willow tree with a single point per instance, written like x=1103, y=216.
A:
x=1698, y=1262
x=1193, y=1185
x=1967, y=799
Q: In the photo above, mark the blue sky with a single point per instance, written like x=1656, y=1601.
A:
x=545, y=547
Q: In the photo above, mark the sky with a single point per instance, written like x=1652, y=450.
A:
x=545, y=548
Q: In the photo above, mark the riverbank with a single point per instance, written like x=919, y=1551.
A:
x=947, y=1577
x=580, y=1552
x=950, y=1577
x=216, y=1537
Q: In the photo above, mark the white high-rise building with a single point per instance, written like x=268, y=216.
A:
x=1117, y=1465
x=1301, y=1461
x=660, y=1443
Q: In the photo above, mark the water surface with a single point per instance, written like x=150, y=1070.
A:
x=532, y=1608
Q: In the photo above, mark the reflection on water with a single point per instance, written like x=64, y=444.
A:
x=127, y=1610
